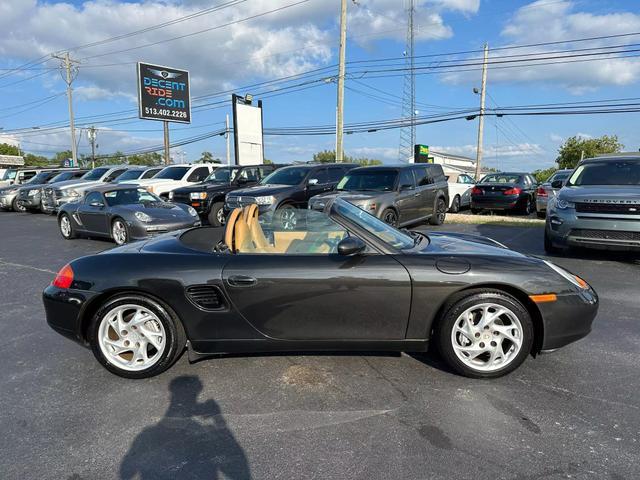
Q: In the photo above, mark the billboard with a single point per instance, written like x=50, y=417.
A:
x=421, y=154
x=247, y=128
x=163, y=93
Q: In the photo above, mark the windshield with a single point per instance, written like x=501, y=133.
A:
x=130, y=175
x=501, y=178
x=559, y=176
x=172, y=173
x=38, y=178
x=61, y=177
x=222, y=175
x=286, y=176
x=130, y=196
x=377, y=181
x=95, y=174
x=373, y=225
x=9, y=175
x=619, y=172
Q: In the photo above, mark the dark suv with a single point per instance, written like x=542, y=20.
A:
x=399, y=195
x=208, y=197
x=288, y=189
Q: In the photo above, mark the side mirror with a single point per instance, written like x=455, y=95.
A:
x=406, y=186
x=351, y=246
x=96, y=204
x=242, y=181
x=312, y=181
x=557, y=184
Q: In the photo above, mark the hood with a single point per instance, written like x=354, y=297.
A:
x=263, y=190
x=30, y=186
x=205, y=187
x=604, y=193
x=152, y=181
x=10, y=188
x=466, y=244
x=73, y=183
x=157, y=209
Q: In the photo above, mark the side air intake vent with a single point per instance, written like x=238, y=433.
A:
x=208, y=297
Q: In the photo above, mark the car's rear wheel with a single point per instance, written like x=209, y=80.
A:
x=440, y=214
x=526, y=207
x=216, y=215
x=484, y=333
x=136, y=337
x=455, y=204
x=542, y=214
x=390, y=217
x=119, y=231
x=287, y=216
x=66, y=227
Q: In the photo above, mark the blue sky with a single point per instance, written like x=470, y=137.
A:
x=304, y=37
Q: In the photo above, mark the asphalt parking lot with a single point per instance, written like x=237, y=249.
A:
x=571, y=414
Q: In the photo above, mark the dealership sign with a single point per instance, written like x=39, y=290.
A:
x=163, y=93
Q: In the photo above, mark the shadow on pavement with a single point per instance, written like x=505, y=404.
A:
x=192, y=440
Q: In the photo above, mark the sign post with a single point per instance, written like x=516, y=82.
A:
x=163, y=94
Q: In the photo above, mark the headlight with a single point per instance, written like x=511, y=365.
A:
x=192, y=211
x=268, y=200
x=143, y=217
x=576, y=280
x=33, y=193
x=198, y=195
x=70, y=193
x=170, y=195
x=564, y=204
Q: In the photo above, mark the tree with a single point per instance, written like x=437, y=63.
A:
x=542, y=176
x=149, y=159
x=6, y=149
x=60, y=157
x=329, y=156
x=572, y=149
x=31, y=160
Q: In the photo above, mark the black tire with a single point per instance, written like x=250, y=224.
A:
x=541, y=214
x=390, y=217
x=526, y=208
x=216, y=215
x=70, y=232
x=287, y=216
x=16, y=207
x=461, y=302
x=440, y=213
x=455, y=204
x=175, y=343
x=122, y=236
x=549, y=247
x=475, y=211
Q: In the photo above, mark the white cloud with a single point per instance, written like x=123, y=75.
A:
x=98, y=93
x=376, y=153
x=544, y=21
x=499, y=150
x=586, y=136
x=10, y=140
x=556, y=138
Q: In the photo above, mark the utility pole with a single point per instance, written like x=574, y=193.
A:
x=71, y=71
x=408, y=132
x=226, y=135
x=93, y=135
x=167, y=153
x=481, y=120
x=341, y=70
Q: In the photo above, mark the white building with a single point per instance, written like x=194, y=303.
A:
x=454, y=163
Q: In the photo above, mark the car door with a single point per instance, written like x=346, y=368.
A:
x=198, y=175
x=408, y=199
x=426, y=189
x=317, y=183
x=92, y=213
x=323, y=296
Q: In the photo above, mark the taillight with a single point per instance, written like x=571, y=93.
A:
x=513, y=191
x=541, y=192
x=64, y=278
x=477, y=191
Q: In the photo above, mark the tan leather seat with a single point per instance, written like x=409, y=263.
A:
x=229, y=233
x=258, y=238
x=242, y=237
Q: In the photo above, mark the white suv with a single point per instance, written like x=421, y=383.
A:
x=175, y=176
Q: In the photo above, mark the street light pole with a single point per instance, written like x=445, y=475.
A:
x=341, y=70
x=67, y=64
x=481, y=120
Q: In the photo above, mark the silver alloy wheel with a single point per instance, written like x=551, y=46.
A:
x=119, y=231
x=487, y=337
x=288, y=218
x=131, y=337
x=441, y=211
x=455, y=206
x=65, y=226
x=390, y=218
x=220, y=216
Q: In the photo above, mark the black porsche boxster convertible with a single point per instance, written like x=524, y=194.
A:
x=342, y=280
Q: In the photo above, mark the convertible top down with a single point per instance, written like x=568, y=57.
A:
x=342, y=280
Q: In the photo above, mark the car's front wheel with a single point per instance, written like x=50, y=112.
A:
x=287, y=216
x=484, y=333
x=66, y=227
x=119, y=231
x=390, y=217
x=15, y=205
x=216, y=215
x=549, y=247
x=136, y=337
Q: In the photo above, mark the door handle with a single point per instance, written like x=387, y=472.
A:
x=241, y=281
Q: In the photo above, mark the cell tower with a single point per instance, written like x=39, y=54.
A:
x=408, y=132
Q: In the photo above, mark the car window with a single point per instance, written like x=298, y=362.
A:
x=406, y=178
x=249, y=174
x=95, y=174
x=374, y=180
x=436, y=172
x=93, y=197
x=320, y=174
x=501, y=178
x=132, y=174
x=172, y=173
x=335, y=174
x=619, y=172
x=423, y=176
x=264, y=171
x=24, y=176
x=115, y=174
x=198, y=175
x=130, y=196
x=286, y=176
x=150, y=173
x=558, y=176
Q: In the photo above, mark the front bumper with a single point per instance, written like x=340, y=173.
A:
x=569, y=318
x=566, y=229
x=262, y=209
x=6, y=201
x=30, y=203
x=149, y=230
